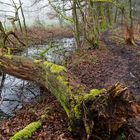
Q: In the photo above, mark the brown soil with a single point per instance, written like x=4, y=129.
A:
x=55, y=127
x=39, y=35
x=113, y=62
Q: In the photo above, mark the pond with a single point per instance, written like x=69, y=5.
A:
x=15, y=92
x=55, y=51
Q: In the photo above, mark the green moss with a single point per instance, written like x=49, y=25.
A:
x=27, y=131
x=76, y=105
x=47, y=64
x=44, y=116
x=77, y=111
x=37, y=61
x=8, y=56
x=1, y=64
x=62, y=80
x=57, y=69
x=88, y=129
x=93, y=93
x=64, y=105
x=79, y=98
x=9, y=51
x=53, y=67
x=58, y=85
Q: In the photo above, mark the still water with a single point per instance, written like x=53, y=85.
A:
x=15, y=92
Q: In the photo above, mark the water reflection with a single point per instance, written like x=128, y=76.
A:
x=55, y=51
x=14, y=92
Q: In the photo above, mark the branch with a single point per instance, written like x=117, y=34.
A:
x=60, y=13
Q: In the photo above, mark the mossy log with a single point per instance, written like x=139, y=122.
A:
x=88, y=113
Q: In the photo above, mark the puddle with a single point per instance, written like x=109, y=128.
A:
x=15, y=92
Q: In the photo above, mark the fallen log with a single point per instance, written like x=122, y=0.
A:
x=94, y=114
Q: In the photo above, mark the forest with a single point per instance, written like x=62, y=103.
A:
x=69, y=69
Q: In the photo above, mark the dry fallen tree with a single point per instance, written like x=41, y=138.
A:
x=91, y=115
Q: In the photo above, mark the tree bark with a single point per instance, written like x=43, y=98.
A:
x=130, y=31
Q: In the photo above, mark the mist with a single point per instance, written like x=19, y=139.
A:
x=34, y=13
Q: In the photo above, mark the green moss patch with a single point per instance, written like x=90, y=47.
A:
x=27, y=131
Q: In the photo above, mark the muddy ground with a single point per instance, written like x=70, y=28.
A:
x=113, y=62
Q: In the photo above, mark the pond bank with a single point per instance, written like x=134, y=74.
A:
x=42, y=35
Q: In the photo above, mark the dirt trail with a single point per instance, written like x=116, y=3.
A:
x=116, y=63
x=128, y=63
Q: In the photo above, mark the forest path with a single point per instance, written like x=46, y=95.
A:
x=128, y=62
x=104, y=67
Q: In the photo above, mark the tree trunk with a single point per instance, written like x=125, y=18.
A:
x=130, y=32
x=76, y=24
x=98, y=112
x=130, y=36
